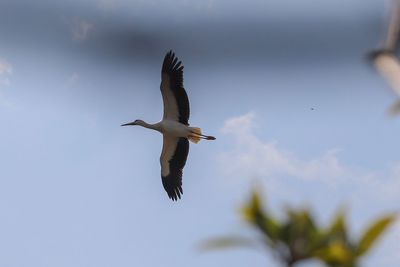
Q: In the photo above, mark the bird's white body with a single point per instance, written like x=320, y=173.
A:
x=174, y=129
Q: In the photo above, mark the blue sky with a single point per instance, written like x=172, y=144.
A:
x=78, y=190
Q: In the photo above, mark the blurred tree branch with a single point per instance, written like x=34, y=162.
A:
x=297, y=237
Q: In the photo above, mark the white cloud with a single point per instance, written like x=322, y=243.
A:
x=80, y=29
x=253, y=157
x=5, y=72
x=5, y=67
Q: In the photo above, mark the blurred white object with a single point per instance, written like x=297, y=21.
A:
x=385, y=60
x=388, y=65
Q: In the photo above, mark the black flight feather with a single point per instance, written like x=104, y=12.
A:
x=173, y=181
x=174, y=70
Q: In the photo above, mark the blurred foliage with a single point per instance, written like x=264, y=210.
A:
x=298, y=237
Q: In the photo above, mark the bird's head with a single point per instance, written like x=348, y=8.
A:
x=136, y=122
x=373, y=55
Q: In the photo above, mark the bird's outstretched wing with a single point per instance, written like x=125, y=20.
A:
x=391, y=39
x=176, y=102
x=388, y=66
x=173, y=159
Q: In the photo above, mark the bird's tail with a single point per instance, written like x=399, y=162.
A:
x=196, y=135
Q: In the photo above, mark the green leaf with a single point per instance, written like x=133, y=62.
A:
x=338, y=228
x=372, y=233
x=336, y=254
x=253, y=208
x=271, y=228
x=227, y=242
x=253, y=213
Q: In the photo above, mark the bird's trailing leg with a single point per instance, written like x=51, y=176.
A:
x=207, y=137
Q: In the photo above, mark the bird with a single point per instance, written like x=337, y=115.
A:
x=174, y=126
x=385, y=60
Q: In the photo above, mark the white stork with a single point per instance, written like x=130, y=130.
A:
x=385, y=60
x=174, y=126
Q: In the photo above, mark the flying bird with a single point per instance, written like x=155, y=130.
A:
x=174, y=126
x=385, y=60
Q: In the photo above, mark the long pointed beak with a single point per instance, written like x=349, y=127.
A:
x=128, y=124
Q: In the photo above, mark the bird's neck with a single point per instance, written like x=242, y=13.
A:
x=155, y=126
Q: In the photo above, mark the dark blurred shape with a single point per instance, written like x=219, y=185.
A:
x=124, y=44
x=298, y=237
x=125, y=37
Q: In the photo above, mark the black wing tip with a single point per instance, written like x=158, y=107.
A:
x=170, y=53
x=174, y=191
x=171, y=63
x=176, y=195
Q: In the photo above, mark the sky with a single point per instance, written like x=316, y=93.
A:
x=284, y=86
